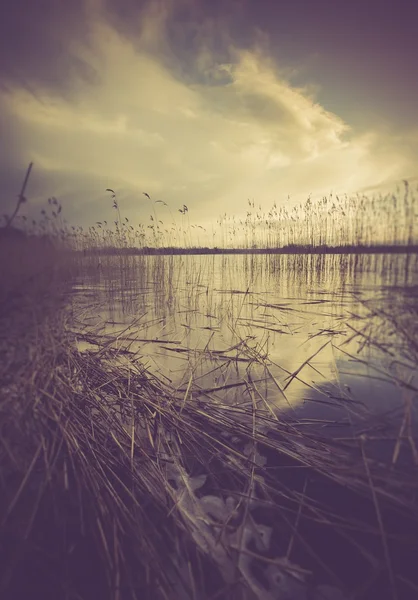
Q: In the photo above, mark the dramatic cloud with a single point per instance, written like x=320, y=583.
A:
x=114, y=97
x=37, y=44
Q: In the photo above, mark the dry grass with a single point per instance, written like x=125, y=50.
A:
x=344, y=223
x=116, y=485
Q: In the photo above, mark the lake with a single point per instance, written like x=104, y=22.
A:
x=275, y=398
x=320, y=336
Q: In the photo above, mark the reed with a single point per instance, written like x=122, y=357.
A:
x=99, y=458
x=118, y=483
x=335, y=223
x=121, y=480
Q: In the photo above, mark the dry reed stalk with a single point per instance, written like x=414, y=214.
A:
x=110, y=453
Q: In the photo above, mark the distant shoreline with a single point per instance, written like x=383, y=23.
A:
x=412, y=249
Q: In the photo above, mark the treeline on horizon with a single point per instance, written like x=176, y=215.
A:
x=289, y=249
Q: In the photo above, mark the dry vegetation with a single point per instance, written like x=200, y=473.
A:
x=346, y=223
x=117, y=484
x=332, y=222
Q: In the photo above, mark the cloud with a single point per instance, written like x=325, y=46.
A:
x=198, y=122
x=37, y=45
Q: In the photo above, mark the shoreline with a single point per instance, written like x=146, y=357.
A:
x=350, y=250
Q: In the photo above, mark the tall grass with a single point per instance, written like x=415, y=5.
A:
x=117, y=484
x=356, y=220
x=347, y=222
x=119, y=481
x=339, y=222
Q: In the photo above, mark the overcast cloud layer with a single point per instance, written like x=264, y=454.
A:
x=187, y=102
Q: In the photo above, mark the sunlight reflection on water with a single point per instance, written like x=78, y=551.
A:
x=284, y=327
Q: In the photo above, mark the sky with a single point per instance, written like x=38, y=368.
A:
x=204, y=103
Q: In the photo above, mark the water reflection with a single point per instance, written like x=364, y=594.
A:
x=310, y=333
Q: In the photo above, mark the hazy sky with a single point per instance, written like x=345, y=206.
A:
x=204, y=103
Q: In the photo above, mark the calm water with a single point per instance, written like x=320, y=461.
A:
x=310, y=335
x=328, y=340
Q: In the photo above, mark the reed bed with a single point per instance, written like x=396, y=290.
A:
x=352, y=223
x=339, y=223
x=333, y=221
x=330, y=224
x=117, y=484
